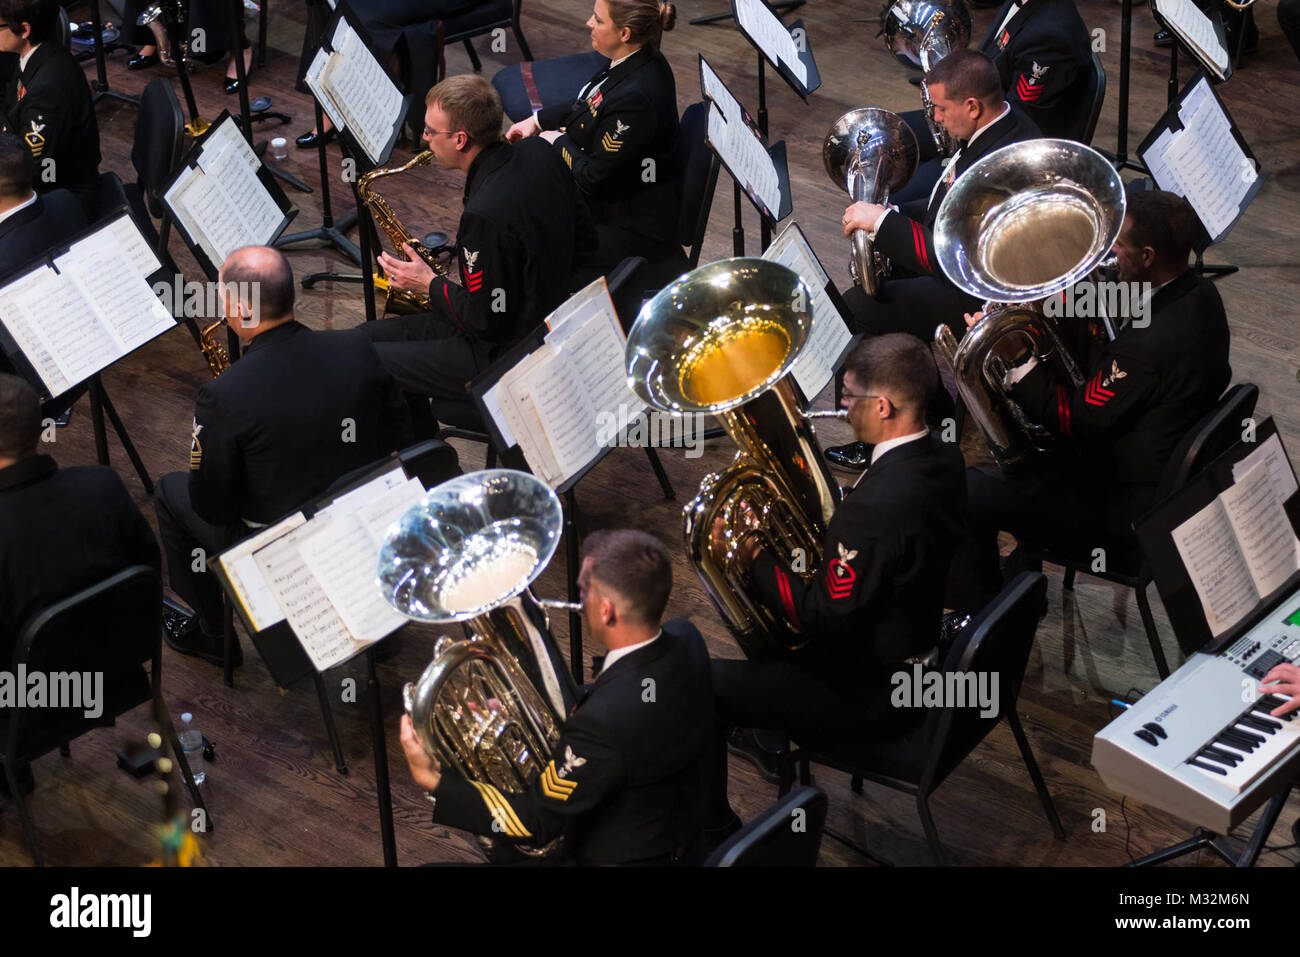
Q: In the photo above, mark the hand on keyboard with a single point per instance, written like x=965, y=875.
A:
x=1283, y=680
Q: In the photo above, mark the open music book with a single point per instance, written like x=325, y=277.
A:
x=1203, y=160
x=738, y=144
x=1196, y=31
x=87, y=308
x=356, y=92
x=769, y=34
x=829, y=336
x=218, y=201
x=319, y=573
x=562, y=402
x=1241, y=548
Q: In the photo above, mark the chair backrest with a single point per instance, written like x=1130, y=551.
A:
x=697, y=165
x=994, y=647
x=64, y=29
x=156, y=146
x=1209, y=438
x=1093, y=101
x=788, y=834
x=432, y=461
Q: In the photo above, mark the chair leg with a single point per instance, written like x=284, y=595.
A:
x=523, y=44
x=931, y=834
x=339, y=764
x=473, y=57
x=24, y=813
x=669, y=492
x=65, y=750
x=228, y=632
x=1035, y=775
x=1153, y=636
x=1068, y=583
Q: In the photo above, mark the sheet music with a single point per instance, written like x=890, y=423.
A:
x=246, y=579
x=252, y=205
x=66, y=323
x=1217, y=567
x=1271, y=453
x=226, y=136
x=1196, y=29
x=522, y=419
x=365, y=494
x=587, y=330
x=492, y=400
x=712, y=87
x=1267, y=542
x=314, y=80
x=102, y=272
x=772, y=37
x=312, y=617
x=745, y=156
x=558, y=394
x=127, y=235
x=1166, y=176
x=21, y=315
x=828, y=335
x=362, y=91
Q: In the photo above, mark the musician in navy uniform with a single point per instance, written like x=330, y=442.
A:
x=48, y=103
x=523, y=231
x=618, y=135
x=297, y=410
x=30, y=223
x=626, y=783
x=878, y=599
x=1163, y=372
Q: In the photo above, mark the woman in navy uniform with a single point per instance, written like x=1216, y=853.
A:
x=618, y=134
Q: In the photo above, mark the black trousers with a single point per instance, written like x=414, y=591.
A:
x=182, y=531
x=427, y=354
x=916, y=305
x=1288, y=18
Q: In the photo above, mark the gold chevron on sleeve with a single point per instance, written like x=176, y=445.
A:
x=501, y=811
x=554, y=786
x=567, y=158
x=612, y=144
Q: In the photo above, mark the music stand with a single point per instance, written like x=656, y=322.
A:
x=99, y=86
x=785, y=6
x=328, y=232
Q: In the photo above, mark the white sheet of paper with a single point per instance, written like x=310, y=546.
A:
x=828, y=335
x=1211, y=166
x=771, y=36
x=246, y=577
x=744, y=155
x=1216, y=566
x=314, y=80
x=712, y=87
x=1187, y=20
x=127, y=235
x=102, y=271
x=20, y=311
x=492, y=399
x=1263, y=529
x=67, y=325
x=1271, y=453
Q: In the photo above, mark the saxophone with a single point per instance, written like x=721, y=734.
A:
x=399, y=300
x=214, y=351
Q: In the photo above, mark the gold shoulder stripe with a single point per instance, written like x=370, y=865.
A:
x=567, y=158
x=501, y=811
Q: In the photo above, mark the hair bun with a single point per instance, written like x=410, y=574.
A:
x=667, y=15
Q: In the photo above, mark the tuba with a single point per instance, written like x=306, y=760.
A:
x=870, y=153
x=399, y=300
x=721, y=340
x=1023, y=224
x=920, y=33
x=489, y=705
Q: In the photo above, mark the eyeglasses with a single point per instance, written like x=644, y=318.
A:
x=429, y=132
x=864, y=395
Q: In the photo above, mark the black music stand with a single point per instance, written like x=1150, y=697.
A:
x=785, y=6
x=99, y=85
x=328, y=232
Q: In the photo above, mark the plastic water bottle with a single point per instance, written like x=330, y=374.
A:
x=192, y=745
x=280, y=148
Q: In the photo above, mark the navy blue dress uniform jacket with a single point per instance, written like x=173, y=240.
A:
x=299, y=409
x=62, y=530
x=1044, y=58
x=627, y=782
x=878, y=596
x=51, y=220
x=619, y=143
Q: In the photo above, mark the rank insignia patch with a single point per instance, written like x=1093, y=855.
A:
x=554, y=786
x=840, y=576
x=473, y=280
x=196, y=450
x=35, y=137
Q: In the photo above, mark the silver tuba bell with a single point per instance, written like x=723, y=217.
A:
x=491, y=704
x=920, y=33
x=869, y=153
x=1023, y=224
x=721, y=340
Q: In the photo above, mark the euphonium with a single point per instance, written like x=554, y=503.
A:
x=721, y=340
x=399, y=300
x=215, y=352
x=489, y=705
x=920, y=33
x=152, y=17
x=1021, y=225
x=869, y=153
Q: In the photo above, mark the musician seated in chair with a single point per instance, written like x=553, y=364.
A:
x=626, y=783
x=523, y=231
x=877, y=599
x=1163, y=372
x=299, y=409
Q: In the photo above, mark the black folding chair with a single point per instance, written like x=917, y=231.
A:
x=788, y=834
x=111, y=628
x=485, y=18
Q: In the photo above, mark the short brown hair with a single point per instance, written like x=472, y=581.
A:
x=900, y=366
x=15, y=167
x=20, y=418
x=646, y=19
x=1165, y=222
x=965, y=74
x=42, y=15
x=636, y=567
x=471, y=104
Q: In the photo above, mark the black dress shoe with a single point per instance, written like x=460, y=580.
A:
x=139, y=62
x=745, y=742
x=1164, y=38
x=309, y=140
x=184, y=634
x=231, y=84
x=855, y=456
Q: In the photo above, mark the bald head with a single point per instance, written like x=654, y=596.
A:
x=258, y=287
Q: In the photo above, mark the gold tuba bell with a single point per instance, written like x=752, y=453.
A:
x=398, y=300
x=870, y=153
x=489, y=705
x=1021, y=225
x=920, y=33
x=721, y=340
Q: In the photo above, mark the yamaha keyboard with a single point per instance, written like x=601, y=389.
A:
x=1202, y=744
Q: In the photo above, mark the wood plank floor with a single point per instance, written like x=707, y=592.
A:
x=273, y=790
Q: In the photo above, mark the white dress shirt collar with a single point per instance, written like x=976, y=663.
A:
x=626, y=650
x=22, y=60
x=9, y=212
x=888, y=444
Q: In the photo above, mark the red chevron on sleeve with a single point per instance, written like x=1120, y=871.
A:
x=1095, y=394
x=1027, y=90
x=474, y=281
x=918, y=242
x=787, y=597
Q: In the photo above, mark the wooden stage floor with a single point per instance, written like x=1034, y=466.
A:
x=274, y=791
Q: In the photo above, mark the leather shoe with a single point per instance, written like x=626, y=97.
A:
x=1164, y=38
x=309, y=140
x=766, y=760
x=139, y=62
x=854, y=457
x=184, y=634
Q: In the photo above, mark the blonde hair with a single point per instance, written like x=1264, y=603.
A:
x=645, y=19
x=471, y=104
